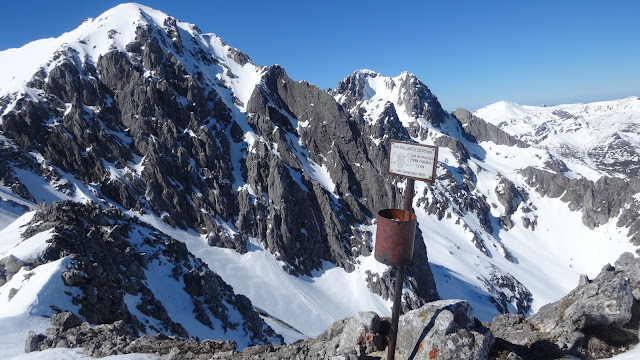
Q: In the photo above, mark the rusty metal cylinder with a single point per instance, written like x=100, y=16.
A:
x=394, y=237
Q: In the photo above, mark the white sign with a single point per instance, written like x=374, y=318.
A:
x=415, y=161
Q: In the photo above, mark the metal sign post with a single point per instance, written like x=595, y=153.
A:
x=396, y=228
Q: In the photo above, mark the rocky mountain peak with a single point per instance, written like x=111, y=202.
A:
x=416, y=107
x=176, y=126
x=164, y=140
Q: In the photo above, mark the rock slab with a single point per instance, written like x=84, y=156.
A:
x=444, y=329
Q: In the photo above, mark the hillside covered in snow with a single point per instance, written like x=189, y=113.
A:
x=594, y=140
x=150, y=173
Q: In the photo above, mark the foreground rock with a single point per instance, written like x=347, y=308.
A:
x=598, y=319
x=351, y=338
x=445, y=329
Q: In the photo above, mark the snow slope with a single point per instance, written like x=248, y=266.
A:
x=547, y=261
x=586, y=136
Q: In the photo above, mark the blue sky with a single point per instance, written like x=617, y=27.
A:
x=470, y=53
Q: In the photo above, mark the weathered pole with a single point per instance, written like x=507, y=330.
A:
x=395, y=229
x=397, y=292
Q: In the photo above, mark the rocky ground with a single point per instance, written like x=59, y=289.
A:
x=598, y=319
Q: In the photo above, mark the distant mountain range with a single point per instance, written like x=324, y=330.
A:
x=594, y=140
x=153, y=174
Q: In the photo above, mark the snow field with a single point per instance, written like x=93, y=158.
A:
x=574, y=129
x=308, y=304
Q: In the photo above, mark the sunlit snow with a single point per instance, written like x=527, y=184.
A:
x=548, y=261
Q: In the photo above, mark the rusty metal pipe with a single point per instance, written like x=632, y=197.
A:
x=394, y=237
x=408, y=195
x=397, y=291
x=395, y=312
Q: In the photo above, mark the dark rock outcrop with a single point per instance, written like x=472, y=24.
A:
x=600, y=201
x=343, y=145
x=113, y=255
x=510, y=198
x=478, y=130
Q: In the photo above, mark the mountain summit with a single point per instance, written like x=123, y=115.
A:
x=152, y=174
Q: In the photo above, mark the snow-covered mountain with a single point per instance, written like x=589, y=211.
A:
x=595, y=139
x=157, y=135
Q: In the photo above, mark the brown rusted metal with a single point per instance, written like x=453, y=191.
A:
x=395, y=313
x=409, y=238
x=408, y=195
x=394, y=237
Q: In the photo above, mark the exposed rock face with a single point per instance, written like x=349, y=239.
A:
x=598, y=319
x=113, y=256
x=599, y=201
x=349, y=155
x=158, y=127
x=455, y=145
x=477, y=130
x=416, y=99
x=444, y=329
x=324, y=216
x=510, y=198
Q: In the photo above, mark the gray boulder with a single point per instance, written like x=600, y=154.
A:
x=65, y=320
x=598, y=319
x=604, y=301
x=630, y=266
x=362, y=330
x=354, y=336
x=12, y=264
x=444, y=329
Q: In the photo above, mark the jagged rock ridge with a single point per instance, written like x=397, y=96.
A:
x=145, y=113
x=168, y=121
x=118, y=269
